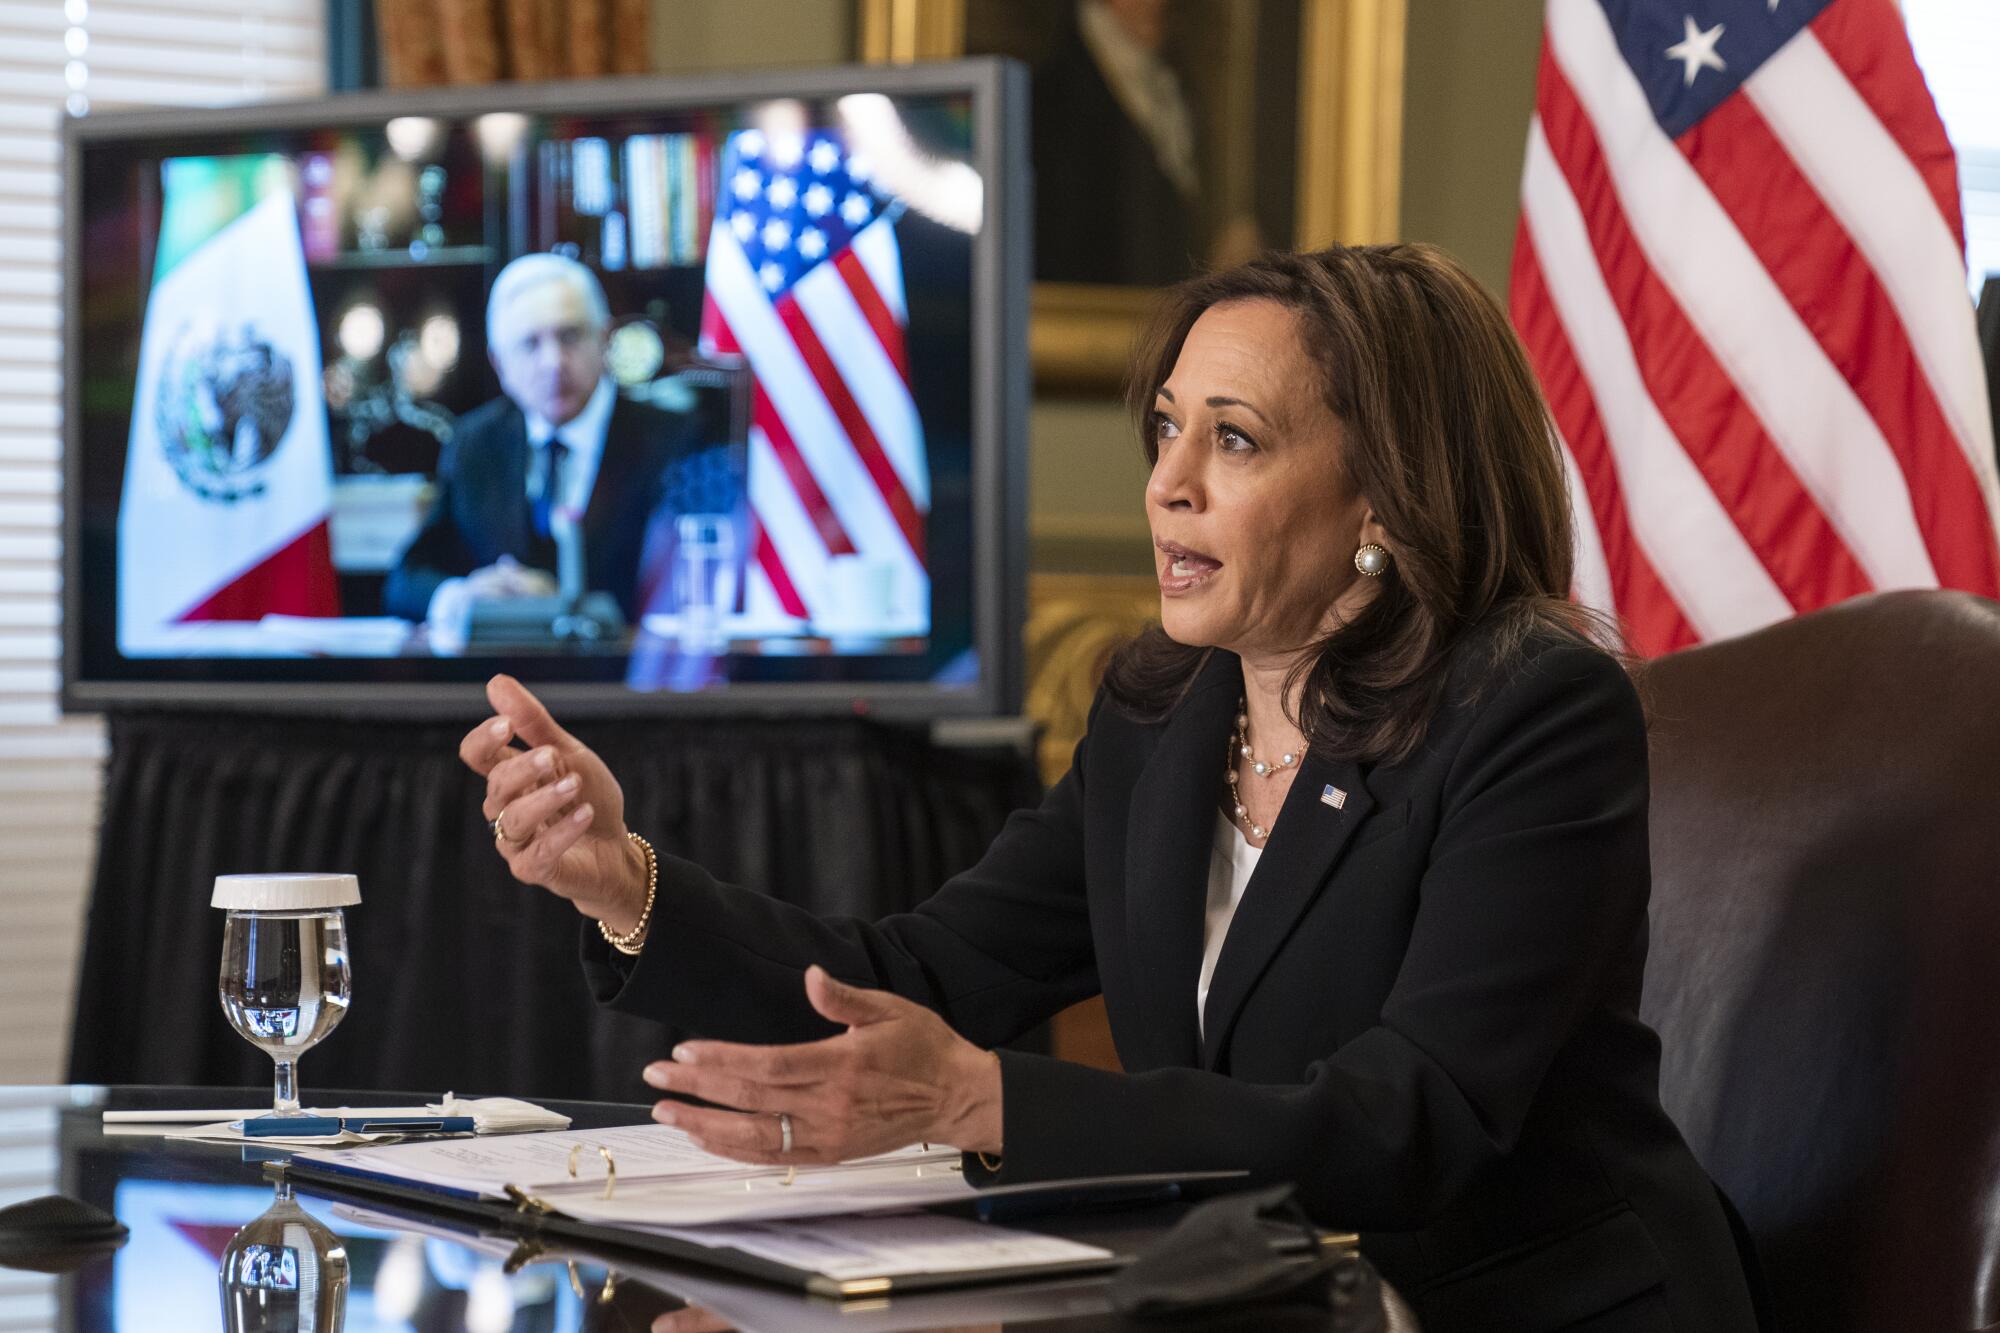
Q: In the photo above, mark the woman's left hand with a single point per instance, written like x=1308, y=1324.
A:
x=898, y=1075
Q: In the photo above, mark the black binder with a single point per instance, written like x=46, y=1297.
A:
x=1114, y=1213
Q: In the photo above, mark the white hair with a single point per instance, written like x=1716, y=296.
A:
x=531, y=271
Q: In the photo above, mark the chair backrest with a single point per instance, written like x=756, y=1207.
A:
x=1825, y=963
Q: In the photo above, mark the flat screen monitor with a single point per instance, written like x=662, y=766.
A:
x=658, y=394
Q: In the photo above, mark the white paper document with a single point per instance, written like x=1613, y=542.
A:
x=896, y=1246
x=542, y=1164
x=663, y=1182
x=874, y=1186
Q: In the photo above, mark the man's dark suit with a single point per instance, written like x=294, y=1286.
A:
x=1425, y=1011
x=481, y=512
x=1104, y=209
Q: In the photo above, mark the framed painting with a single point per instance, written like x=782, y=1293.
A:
x=1173, y=136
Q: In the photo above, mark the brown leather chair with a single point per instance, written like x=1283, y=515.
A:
x=1825, y=966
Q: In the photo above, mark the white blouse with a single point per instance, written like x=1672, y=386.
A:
x=1230, y=863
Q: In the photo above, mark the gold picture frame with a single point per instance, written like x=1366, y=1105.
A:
x=1350, y=135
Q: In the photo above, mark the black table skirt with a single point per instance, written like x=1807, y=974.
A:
x=463, y=978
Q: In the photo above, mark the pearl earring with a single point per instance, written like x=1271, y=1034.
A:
x=1372, y=559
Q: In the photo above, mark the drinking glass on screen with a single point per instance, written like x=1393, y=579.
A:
x=285, y=981
x=704, y=578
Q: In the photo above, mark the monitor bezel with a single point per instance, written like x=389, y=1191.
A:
x=1001, y=258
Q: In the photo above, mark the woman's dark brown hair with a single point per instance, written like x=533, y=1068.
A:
x=1445, y=432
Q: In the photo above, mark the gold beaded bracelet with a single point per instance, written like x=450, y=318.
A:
x=634, y=939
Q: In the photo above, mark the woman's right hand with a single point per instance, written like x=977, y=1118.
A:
x=561, y=813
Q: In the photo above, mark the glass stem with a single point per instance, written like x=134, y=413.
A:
x=285, y=1089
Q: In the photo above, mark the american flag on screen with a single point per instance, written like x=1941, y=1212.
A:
x=1740, y=277
x=805, y=280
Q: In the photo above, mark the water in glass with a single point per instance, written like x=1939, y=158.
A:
x=285, y=985
x=704, y=579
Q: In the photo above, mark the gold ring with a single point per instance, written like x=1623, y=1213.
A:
x=500, y=830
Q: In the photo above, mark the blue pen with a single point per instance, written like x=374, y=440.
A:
x=317, y=1126
x=404, y=1124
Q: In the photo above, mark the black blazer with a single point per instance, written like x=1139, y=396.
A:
x=481, y=512
x=1425, y=1012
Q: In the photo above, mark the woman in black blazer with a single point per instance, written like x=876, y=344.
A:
x=1421, y=1005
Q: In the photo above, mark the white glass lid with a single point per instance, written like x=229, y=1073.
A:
x=285, y=893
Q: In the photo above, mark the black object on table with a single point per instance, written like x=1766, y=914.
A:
x=212, y=1225
x=56, y=1234
x=463, y=977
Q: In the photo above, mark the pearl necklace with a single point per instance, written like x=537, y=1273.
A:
x=1239, y=744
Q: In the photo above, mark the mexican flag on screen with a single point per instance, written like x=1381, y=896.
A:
x=228, y=473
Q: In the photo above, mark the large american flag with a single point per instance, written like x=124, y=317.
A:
x=1740, y=277
x=805, y=280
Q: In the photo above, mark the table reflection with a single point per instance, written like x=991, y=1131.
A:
x=284, y=1272
x=214, y=1226
x=311, y=1257
x=309, y=1265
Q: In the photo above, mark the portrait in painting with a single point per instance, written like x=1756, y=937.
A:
x=1165, y=131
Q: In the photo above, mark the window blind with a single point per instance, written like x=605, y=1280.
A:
x=81, y=56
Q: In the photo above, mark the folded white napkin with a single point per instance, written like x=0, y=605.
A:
x=500, y=1115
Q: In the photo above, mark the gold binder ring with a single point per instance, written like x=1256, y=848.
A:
x=610, y=1166
x=605, y=1294
x=525, y=1202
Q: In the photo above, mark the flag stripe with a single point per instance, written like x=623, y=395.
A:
x=860, y=431
x=784, y=455
x=774, y=571
x=1709, y=570
x=1884, y=204
x=1866, y=40
x=888, y=329
x=1591, y=576
x=296, y=579
x=876, y=250
x=880, y=393
x=787, y=528
x=716, y=334
x=1814, y=262
x=1742, y=466
x=1653, y=620
x=1810, y=411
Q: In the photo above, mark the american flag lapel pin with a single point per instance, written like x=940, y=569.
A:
x=1334, y=797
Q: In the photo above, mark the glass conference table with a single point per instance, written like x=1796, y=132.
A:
x=190, y=1206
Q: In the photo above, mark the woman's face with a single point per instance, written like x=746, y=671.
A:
x=1254, y=525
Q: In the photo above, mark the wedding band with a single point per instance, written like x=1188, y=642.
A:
x=784, y=1133
x=500, y=830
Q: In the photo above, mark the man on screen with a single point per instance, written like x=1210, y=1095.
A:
x=561, y=443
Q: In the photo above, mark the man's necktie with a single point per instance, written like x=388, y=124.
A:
x=550, y=463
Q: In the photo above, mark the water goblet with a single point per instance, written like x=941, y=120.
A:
x=285, y=981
